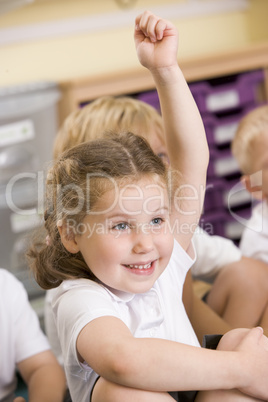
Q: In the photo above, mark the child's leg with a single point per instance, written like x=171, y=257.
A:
x=224, y=396
x=240, y=293
x=105, y=391
x=228, y=342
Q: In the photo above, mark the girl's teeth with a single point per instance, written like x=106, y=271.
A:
x=140, y=266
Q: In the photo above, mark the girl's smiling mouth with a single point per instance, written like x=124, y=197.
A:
x=141, y=268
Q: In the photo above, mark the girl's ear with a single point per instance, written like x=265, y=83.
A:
x=67, y=236
x=253, y=184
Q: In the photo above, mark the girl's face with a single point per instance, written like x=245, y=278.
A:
x=127, y=242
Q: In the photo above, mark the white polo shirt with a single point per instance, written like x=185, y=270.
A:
x=213, y=253
x=20, y=333
x=157, y=313
x=254, y=240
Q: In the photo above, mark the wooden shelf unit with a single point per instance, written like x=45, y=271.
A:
x=77, y=91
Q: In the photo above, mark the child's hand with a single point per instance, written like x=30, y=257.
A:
x=156, y=41
x=255, y=345
x=19, y=399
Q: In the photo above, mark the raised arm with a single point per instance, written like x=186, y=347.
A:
x=156, y=43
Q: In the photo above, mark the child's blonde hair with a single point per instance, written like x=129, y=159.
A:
x=108, y=113
x=254, y=125
x=74, y=185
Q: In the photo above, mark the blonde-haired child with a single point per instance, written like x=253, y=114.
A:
x=250, y=148
x=120, y=227
x=110, y=113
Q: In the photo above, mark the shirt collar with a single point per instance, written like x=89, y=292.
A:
x=119, y=295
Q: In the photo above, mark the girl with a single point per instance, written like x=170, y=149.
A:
x=118, y=248
x=239, y=290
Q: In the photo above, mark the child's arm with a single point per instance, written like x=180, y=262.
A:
x=156, y=44
x=44, y=377
x=161, y=365
x=203, y=319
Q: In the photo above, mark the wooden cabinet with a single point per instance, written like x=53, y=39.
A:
x=78, y=91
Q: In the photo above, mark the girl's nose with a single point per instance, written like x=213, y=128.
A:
x=143, y=243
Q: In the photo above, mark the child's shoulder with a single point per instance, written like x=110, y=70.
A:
x=82, y=290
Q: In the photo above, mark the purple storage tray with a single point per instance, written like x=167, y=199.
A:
x=229, y=95
x=235, y=194
x=213, y=222
x=236, y=223
x=214, y=196
x=220, y=130
x=150, y=97
x=222, y=164
x=226, y=194
x=225, y=223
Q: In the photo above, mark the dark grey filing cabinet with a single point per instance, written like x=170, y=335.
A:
x=28, y=124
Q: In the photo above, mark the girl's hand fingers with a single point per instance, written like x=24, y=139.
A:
x=156, y=41
x=151, y=26
x=160, y=28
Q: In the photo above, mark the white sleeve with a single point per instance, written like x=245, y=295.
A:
x=254, y=239
x=50, y=326
x=74, y=307
x=28, y=336
x=254, y=245
x=212, y=253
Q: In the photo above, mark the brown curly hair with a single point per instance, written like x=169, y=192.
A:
x=120, y=157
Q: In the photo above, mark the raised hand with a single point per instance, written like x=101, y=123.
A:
x=156, y=41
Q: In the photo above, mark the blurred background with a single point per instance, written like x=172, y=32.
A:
x=66, y=39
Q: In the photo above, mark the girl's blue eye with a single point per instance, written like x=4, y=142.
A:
x=121, y=226
x=156, y=221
